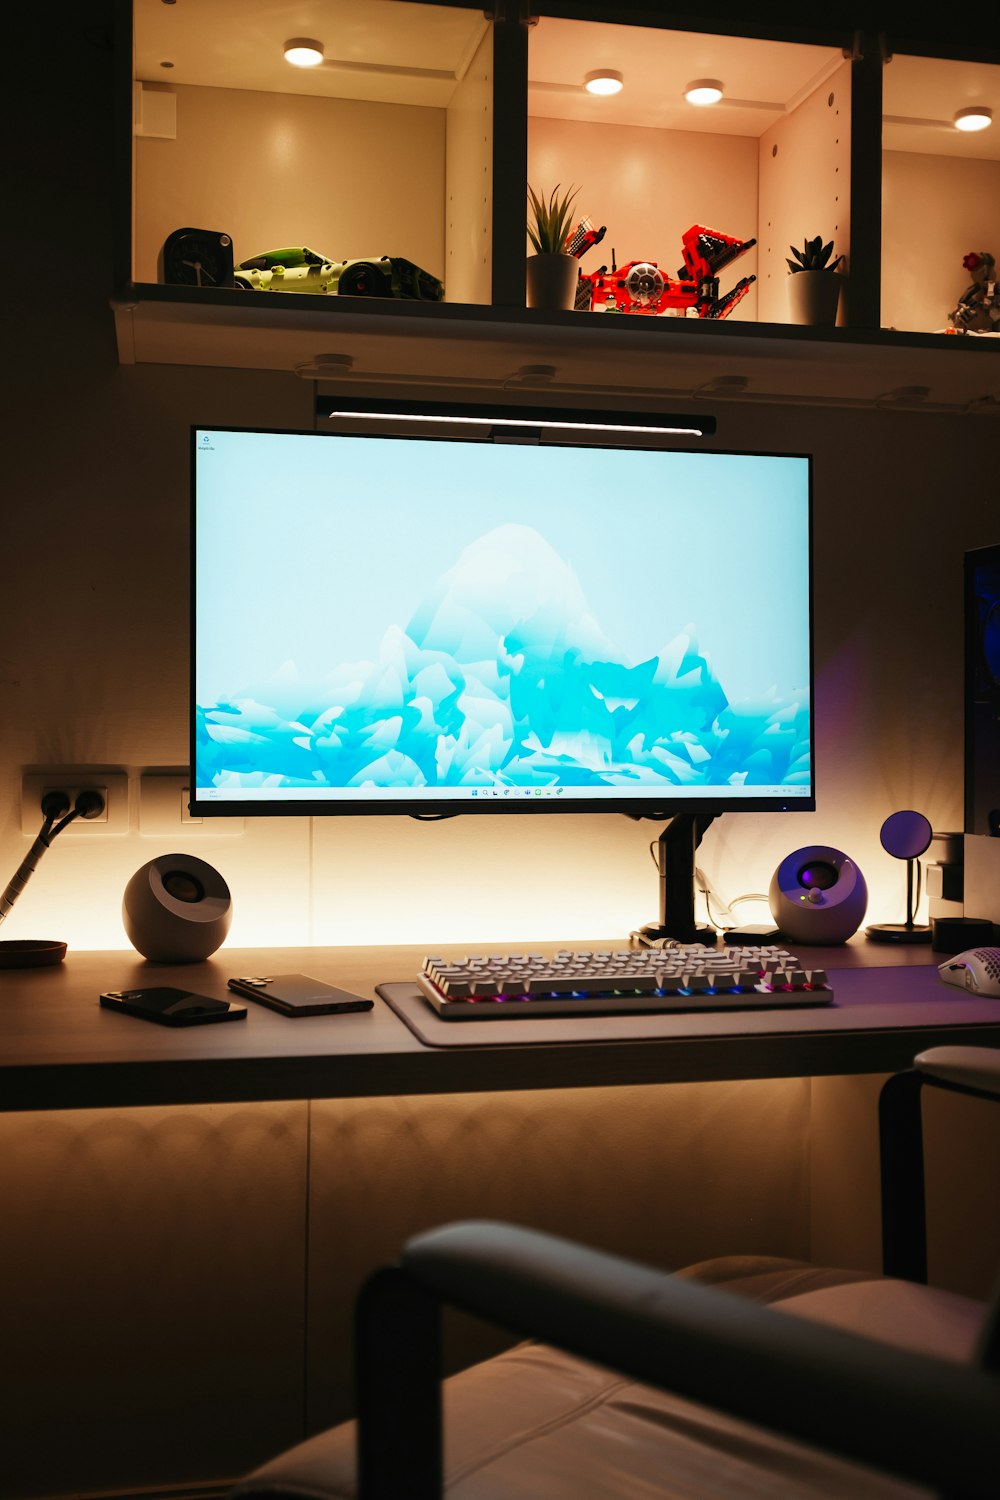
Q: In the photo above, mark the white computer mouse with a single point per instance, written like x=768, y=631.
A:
x=977, y=970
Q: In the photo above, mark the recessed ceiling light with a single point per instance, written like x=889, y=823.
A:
x=703, y=91
x=604, y=81
x=303, y=52
x=976, y=118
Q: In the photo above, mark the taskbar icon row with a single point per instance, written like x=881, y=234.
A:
x=517, y=791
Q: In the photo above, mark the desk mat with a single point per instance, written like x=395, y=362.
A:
x=886, y=998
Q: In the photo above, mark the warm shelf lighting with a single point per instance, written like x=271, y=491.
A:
x=703, y=91
x=604, y=81
x=978, y=117
x=303, y=52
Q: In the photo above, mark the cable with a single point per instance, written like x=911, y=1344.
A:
x=707, y=890
x=89, y=804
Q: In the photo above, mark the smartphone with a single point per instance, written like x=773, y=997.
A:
x=170, y=1007
x=299, y=995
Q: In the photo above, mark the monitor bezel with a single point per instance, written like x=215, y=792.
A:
x=431, y=808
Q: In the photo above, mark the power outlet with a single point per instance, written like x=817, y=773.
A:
x=163, y=809
x=113, y=786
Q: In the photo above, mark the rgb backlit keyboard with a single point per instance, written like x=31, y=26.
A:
x=608, y=981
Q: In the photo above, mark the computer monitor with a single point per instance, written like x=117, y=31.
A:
x=439, y=616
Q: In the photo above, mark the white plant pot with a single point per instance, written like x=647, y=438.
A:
x=813, y=297
x=552, y=282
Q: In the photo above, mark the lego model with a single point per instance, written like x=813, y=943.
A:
x=297, y=269
x=978, y=309
x=641, y=287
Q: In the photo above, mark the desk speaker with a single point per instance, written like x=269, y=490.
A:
x=176, y=909
x=818, y=895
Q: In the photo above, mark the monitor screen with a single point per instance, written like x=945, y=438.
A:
x=418, y=624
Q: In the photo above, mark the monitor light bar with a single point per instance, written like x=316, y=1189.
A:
x=692, y=427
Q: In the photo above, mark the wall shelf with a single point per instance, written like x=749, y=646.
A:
x=629, y=359
x=802, y=143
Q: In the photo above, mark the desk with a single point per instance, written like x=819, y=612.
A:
x=184, y=1277
x=60, y=1050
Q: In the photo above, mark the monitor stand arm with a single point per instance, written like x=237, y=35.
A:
x=675, y=857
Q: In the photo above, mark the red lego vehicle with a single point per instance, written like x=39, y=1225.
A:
x=641, y=287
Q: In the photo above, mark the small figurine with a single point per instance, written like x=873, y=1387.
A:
x=978, y=309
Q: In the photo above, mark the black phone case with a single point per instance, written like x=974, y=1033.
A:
x=166, y=1006
x=299, y=995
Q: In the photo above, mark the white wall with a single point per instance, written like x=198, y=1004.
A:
x=469, y=182
x=94, y=658
x=805, y=187
x=344, y=177
x=649, y=186
x=95, y=673
x=922, y=272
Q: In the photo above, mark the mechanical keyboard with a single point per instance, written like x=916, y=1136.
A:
x=607, y=981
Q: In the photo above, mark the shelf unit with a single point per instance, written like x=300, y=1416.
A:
x=419, y=137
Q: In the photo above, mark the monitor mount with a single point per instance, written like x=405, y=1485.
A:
x=676, y=848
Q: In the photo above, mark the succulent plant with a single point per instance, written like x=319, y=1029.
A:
x=550, y=221
x=813, y=256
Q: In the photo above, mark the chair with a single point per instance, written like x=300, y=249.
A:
x=809, y=1383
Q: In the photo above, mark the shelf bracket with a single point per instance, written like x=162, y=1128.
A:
x=512, y=10
x=855, y=52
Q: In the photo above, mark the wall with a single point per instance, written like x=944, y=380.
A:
x=922, y=273
x=649, y=186
x=93, y=670
x=376, y=176
x=97, y=673
x=805, y=177
x=469, y=182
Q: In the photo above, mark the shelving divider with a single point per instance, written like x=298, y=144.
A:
x=866, y=182
x=510, y=156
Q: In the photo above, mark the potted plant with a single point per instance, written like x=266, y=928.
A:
x=814, y=286
x=552, y=273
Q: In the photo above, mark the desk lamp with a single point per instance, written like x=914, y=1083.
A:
x=905, y=835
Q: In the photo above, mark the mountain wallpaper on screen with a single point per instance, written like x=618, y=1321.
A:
x=504, y=677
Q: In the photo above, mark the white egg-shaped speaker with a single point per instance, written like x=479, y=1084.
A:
x=818, y=895
x=176, y=909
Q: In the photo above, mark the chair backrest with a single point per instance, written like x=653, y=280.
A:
x=973, y=1072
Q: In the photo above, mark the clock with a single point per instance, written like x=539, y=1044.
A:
x=196, y=257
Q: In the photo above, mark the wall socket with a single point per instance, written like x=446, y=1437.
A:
x=163, y=808
x=113, y=786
